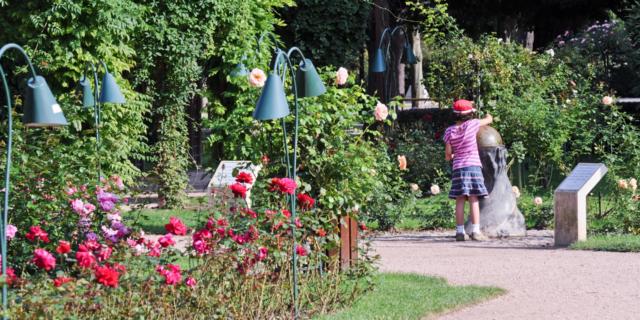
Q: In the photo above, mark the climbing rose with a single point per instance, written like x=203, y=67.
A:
x=301, y=251
x=305, y=201
x=402, y=162
x=435, y=189
x=43, y=259
x=35, y=232
x=537, y=201
x=63, y=247
x=341, y=76
x=257, y=78
x=107, y=276
x=176, y=227
x=381, y=112
x=244, y=177
x=239, y=190
x=190, y=282
x=166, y=240
x=11, y=231
x=516, y=191
x=61, y=280
x=607, y=100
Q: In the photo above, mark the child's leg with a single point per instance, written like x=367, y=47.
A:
x=475, y=209
x=460, y=202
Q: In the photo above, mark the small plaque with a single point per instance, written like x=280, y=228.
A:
x=581, y=174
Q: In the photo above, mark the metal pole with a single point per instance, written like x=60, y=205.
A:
x=96, y=116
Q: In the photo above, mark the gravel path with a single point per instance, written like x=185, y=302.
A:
x=542, y=282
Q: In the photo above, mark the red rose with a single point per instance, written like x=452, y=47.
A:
x=301, y=251
x=166, y=240
x=305, y=201
x=274, y=184
x=35, y=232
x=92, y=245
x=107, y=276
x=244, y=177
x=286, y=213
x=363, y=226
x=63, y=247
x=321, y=233
x=11, y=277
x=61, y=280
x=85, y=259
x=171, y=274
x=287, y=185
x=43, y=259
x=262, y=254
x=264, y=159
x=239, y=190
x=176, y=227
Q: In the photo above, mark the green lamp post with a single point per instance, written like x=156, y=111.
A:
x=109, y=93
x=380, y=58
x=273, y=104
x=40, y=110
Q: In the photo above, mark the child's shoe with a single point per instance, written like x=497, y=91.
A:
x=478, y=236
x=461, y=237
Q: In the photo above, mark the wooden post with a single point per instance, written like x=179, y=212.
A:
x=416, y=70
x=348, y=242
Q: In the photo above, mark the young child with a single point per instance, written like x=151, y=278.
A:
x=467, y=182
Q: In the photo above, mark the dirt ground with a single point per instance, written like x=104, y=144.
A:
x=542, y=282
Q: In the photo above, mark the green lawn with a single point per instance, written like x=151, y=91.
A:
x=153, y=220
x=412, y=296
x=619, y=243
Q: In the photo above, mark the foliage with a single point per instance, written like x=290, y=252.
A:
x=414, y=297
x=315, y=24
x=536, y=216
x=238, y=258
x=436, y=212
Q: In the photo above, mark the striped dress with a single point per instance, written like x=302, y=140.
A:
x=466, y=179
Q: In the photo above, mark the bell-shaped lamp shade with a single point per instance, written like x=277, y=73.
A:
x=378, y=62
x=272, y=103
x=41, y=108
x=239, y=71
x=308, y=82
x=110, y=92
x=87, y=94
x=409, y=57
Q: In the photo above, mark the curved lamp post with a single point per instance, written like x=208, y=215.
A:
x=109, y=93
x=381, y=57
x=273, y=104
x=40, y=110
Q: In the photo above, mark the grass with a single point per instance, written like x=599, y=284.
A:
x=412, y=296
x=409, y=224
x=618, y=243
x=153, y=220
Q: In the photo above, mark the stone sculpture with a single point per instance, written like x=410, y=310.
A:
x=499, y=213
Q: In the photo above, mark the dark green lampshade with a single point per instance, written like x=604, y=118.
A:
x=378, y=62
x=272, y=103
x=308, y=81
x=110, y=92
x=240, y=71
x=87, y=94
x=409, y=57
x=40, y=108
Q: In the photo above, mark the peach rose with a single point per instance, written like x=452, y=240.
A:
x=414, y=187
x=623, y=184
x=402, y=162
x=516, y=191
x=341, y=76
x=381, y=112
x=537, y=201
x=607, y=100
x=435, y=189
x=257, y=78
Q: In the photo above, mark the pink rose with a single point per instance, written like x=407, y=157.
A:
x=77, y=206
x=11, y=231
x=190, y=282
x=43, y=259
x=341, y=76
x=607, y=100
x=166, y=240
x=381, y=112
x=537, y=201
x=257, y=78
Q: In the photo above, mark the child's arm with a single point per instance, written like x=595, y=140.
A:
x=448, y=155
x=488, y=119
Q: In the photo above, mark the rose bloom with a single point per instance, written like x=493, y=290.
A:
x=622, y=184
x=381, y=112
x=77, y=205
x=301, y=251
x=239, y=190
x=11, y=231
x=176, y=227
x=298, y=223
x=402, y=162
x=85, y=259
x=166, y=240
x=435, y=189
x=321, y=233
x=363, y=226
x=35, y=232
x=262, y=254
x=107, y=276
x=104, y=253
x=287, y=185
x=305, y=201
x=341, y=76
x=43, y=259
x=171, y=273
x=244, y=177
x=257, y=78
x=63, y=247
x=537, y=201
x=11, y=277
x=633, y=183
x=61, y=280
x=515, y=191
x=414, y=187
x=190, y=282
x=607, y=100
